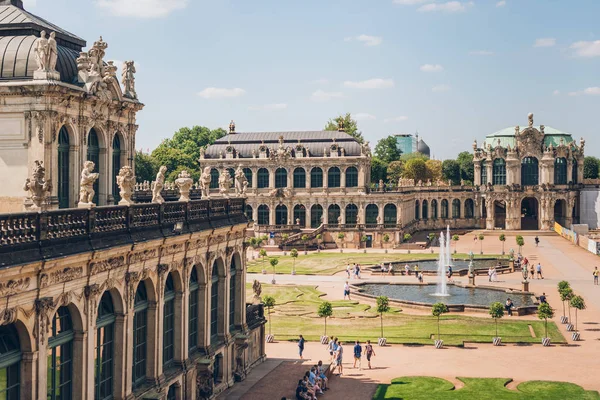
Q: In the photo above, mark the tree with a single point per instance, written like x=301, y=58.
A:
x=415, y=169
x=325, y=310
x=263, y=253
x=544, y=312
x=341, y=237
x=285, y=236
x=502, y=238
x=383, y=306
x=496, y=312
x=387, y=149
x=562, y=286
x=269, y=302
x=273, y=262
x=434, y=169
x=577, y=303
x=146, y=167
x=451, y=171
x=378, y=170
x=431, y=236
x=394, y=171
x=467, y=169
x=591, y=168
x=480, y=238
x=363, y=239
x=566, y=295
x=386, y=237
x=407, y=237
x=304, y=239
x=437, y=310
x=319, y=238
x=455, y=239
x=294, y=255
x=520, y=242
x=350, y=126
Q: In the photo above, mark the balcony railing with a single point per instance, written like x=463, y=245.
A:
x=28, y=237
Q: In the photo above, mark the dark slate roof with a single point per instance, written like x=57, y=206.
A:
x=314, y=141
x=423, y=148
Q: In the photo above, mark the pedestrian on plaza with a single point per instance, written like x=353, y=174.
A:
x=537, y=241
x=494, y=275
x=301, y=346
x=390, y=270
x=420, y=277
x=532, y=272
x=346, y=291
x=348, y=270
x=596, y=273
x=543, y=298
x=450, y=272
x=406, y=270
x=508, y=306
x=338, y=358
x=369, y=352
x=416, y=268
x=358, y=271
x=490, y=274
x=357, y=354
x=538, y=269
x=330, y=347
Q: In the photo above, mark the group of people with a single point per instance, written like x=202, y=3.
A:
x=313, y=383
x=534, y=271
x=336, y=352
x=387, y=270
x=353, y=271
x=418, y=274
x=492, y=274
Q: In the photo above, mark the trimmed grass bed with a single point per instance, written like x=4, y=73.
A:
x=296, y=313
x=429, y=388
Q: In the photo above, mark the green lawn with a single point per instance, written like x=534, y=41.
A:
x=330, y=263
x=296, y=313
x=428, y=388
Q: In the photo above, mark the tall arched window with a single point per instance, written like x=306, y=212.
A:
x=140, y=335
x=456, y=208
x=316, y=177
x=574, y=172
x=424, y=210
x=193, y=312
x=248, y=174
x=316, y=216
x=249, y=212
x=390, y=215
x=214, y=303
x=116, y=166
x=333, y=213
x=93, y=154
x=333, y=177
x=371, y=214
x=281, y=215
x=299, y=178
x=351, y=177
x=214, y=178
x=172, y=393
x=499, y=172
x=351, y=215
x=262, y=178
x=60, y=356
x=105, y=349
x=560, y=171
x=169, y=323
x=417, y=209
x=434, y=209
x=300, y=214
x=232, y=295
x=263, y=215
x=64, y=166
x=10, y=363
x=281, y=178
x=529, y=171
x=483, y=173
x=469, y=208
x=444, y=212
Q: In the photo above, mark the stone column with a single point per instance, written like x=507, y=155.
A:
x=153, y=348
x=272, y=220
x=343, y=213
x=272, y=178
x=308, y=215
x=307, y=174
x=120, y=369
x=181, y=337
x=490, y=171
x=160, y=311
x=290, y=178
x=203, y=313
x=477, y=174
x=361, y=176
x=342, y=177
x=489, y=221
x=380, y=212
x=128, y=353
x=29, y=376
x=290, y=214
x=325, y=176
x=79, y=364
x=254, y=178
x=579, y=170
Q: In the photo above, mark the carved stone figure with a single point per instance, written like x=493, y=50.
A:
x=225, y=182
x=41, y=52
x=184, y=184
x=232, y=127
x=46, y=55
x=128, y=79
x=86, y=185
x=91, y=71
x=365, y=149
x=204, y=385
x=339, y=219
x=205, y=183
x=126, y=183
x=530, y=119
x=257, y=289
x=38, y=187
x=158, y=184
x=241, y=182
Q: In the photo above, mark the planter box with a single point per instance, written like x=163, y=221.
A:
x=576, y=336
x=270, y=338
x=439, y=344
x=386, y=250
x=264, y=271
x=324, y=340
x=382, y=341
x=293, y=272
x=546, y=341
x=273, y=281
x=341, y=250
x=564, y=319
x=365, y=250
x=497, y=341
x=570, y=327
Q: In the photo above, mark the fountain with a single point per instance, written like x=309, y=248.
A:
x=443, y=261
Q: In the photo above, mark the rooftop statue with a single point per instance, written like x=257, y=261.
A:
x=158, y=184
x=128, y=79
x=46, y=55
x=241, y=182
x=205, y=179
x=126, y=183
x=38, y=187
x=225, y=182
x=86, y=189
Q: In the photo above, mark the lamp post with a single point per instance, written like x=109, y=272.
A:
x=525, y=281
x=471, y=270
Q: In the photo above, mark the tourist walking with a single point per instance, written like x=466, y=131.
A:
x=339, y=354
x=330, y=347
x=508, y=306
x=537, y=241
x=420, y=277
x=369, y=352
x=348, y=270
x=494, y=275
x=346, y=291
x=301, y=346
x=532, y=272
x=449, y=272
x=490, y=274
x=596, y=273
x=357, y=354
x=358, y=271
x=543, y=298
x=416, y=268
x=538, y=269
x=406, y=269
x=390, y=271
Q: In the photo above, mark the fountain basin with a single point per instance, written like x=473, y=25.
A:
x=459, y=267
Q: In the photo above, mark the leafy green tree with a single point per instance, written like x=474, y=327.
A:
x=350, y=126
x=455, y=239
x=407, y=237
x=273, y=262
x=378, y=170
x=496, y=312
x=480, y=238
x=544, y=312
x=502, y=238
x=386, y=237
x=294, y=255
x=577, y=303
x=437, y=310
x=520, y=242
x=451, y=171
x=411, y=156
x=591, y=167
x=263, y=253
x=434, y=169
x=269, y=302
x=467, y=169
x=566, y=294
x=304, y=239
x=416, y=169
x=383, y=306
x=325, y=310
x=394, y=171
x=387, y=149
x=146, y=167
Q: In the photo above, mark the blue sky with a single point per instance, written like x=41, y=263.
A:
x=453, y=70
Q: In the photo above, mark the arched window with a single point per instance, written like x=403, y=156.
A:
x=140, y=335
x=316, y=216
x=560, y=171
x=483, y=173
x=249, y=212
x=105, y=349
x=10, y=363
x=351, y=215
x=371, y=214
x=248, y=174
x=469, y=208
x=444, y=212
x=214, y=303
x=351, y=177
x=263, y=215
x=280, y=178
x=417, y=213
x=262, y=178
x=456, y=208
x=390, y=215
x=93, y=154
x=232, y=295
x=424, y=210
x=529, y=171
x=60, y=356
x=300, y=214
x=169, y=323
x=214, y=178
x=193, y=311
x=64, y=166
x=434, y=209
x=333, y=177
x=172, y=393
x=333, y=213
x=316, y=177
x=574, y=172
x=281, y=215
x=499, y=172
x=116, y=166
x=299, y=178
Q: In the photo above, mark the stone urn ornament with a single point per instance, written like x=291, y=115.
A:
x=86, y=185
x=184, y=183
x=38, y=188
x=126, y=183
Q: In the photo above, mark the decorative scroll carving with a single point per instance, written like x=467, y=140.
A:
x=142, y=256
x=204, y=384
x=172, y=249
x=43, y=307
x=105, y=265
x=61, y=276
x=8, y=316
x=14, y=286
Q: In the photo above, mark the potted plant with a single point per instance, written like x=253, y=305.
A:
x=544, y=312
x=263, y=254
x=269, y=302
x=284, y=238
x=562, y=285
x=383, y=306
x=431, y=237
x=294, y=255
x=319, y=238
x=565, y=296
x=363, y=239
x=386, y=239
x=406, y=239
x=304, y=239
x=341, y=237
x=325, y=310
x=455, y=239
x=273, y=262
x=502, y=238
x=481, y=237
x=520, y=242
x=497, y=312
x=578, y=304
x=437, y=310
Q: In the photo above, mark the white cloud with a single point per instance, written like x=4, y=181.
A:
x=587, y=49
x=409, y=2
x=396, y=119
x=591, y=91
x=440, y=88
x=431, y=68
x=376, y=83
x=348, y=39
x=363, y=116
x=269, y=107
x=321, y=81
x=141, y=8
x=221, y=93
x=501, y=3
x=544, y=42
x=556, y=92
x=321, y=95
x=370, y=40
x=451, y=6
x=481, y=53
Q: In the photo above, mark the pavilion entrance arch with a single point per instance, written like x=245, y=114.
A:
x=500, y=214
x=560, y=212
x=530, y=214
